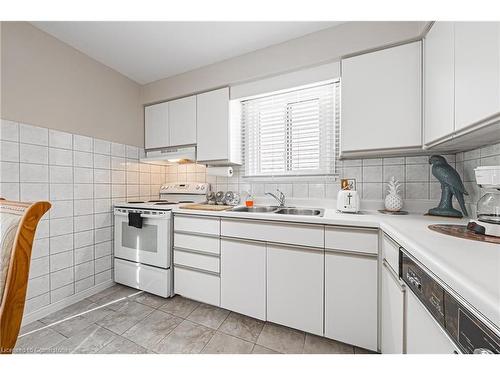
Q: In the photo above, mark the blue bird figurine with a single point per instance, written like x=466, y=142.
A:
x=451, y=185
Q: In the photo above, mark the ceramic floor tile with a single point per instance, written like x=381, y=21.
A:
x=75, y=309
x=151, y=330
x=90, y=340
x=281, y=339
x=33, y=326
x=220, y=343
x=257, y=349
x=118, y=297
x=321, y=345
x=121, y=345
x=187, y=337
x=38, y=341
x=242, y=326
x=125, y=318
x=149, y=300
x=78, y=323
x=210, y=316
x=179, y=306
x=358, y=350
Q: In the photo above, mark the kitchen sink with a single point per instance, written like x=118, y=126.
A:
x=256, y=209
x=300, y=211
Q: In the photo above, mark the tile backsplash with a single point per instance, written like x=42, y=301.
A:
x=82, y=177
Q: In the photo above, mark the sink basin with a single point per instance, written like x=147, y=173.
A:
x=257, y=209
x=300, y=211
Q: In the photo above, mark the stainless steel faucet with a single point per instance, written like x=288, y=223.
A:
x=280, y=199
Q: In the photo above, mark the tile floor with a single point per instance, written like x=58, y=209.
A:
x=124, y=320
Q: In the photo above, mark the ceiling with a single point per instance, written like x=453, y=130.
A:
x=148, y=51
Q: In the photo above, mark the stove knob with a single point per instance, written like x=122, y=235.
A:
x=197, y=187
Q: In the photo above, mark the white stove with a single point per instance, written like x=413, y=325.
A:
x=143, y=237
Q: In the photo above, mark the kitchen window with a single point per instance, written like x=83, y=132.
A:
x=291, y=133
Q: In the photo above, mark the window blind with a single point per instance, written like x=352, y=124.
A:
x=291, y=133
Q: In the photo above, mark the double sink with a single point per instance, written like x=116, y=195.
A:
x=282, y=210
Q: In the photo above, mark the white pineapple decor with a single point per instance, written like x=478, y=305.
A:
x=393, y=201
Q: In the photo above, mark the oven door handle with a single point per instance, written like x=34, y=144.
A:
x=144, y=216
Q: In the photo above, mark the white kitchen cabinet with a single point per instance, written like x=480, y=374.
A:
x=243, y=277
x=295, y=287
x=218, y=138
x=381, y=101
x=200, y=285
x=351, y=298
x=477, y=72
x=392, y=311
x=439, y=82
x=156, y=129
x=182, y=121
x=423, y=333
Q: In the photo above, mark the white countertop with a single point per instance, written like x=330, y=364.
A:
x=470, y=268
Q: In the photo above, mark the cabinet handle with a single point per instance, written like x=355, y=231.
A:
x=195, y=234
x=354, y=253
x=296, y=247
x=236, y=239
x=198, y=252
x=388, y=267
x=189, y=268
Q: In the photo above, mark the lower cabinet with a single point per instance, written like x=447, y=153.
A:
x=295, y=287
x=392, y=310
x=351, y=298
x=200, y=285
x=423, y=333
x=243, y=277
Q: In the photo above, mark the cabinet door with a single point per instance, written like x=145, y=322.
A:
x=212, y=131
x=439, y=82
x=423, y=333
x=156, y=130
x=381, y=100
x=295, y=287
x=477, y=72
x=243, y=277
x=392, y=322
x=351, y=299
x=182, y=121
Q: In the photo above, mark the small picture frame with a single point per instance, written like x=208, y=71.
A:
x=348, y=184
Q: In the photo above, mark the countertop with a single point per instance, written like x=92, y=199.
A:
x=470, y=268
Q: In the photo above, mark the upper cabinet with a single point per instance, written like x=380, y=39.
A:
x=439, y=82
x=156, y=129
x=381, y=102
x=217, y=136
x=182, y=121
x=461, y=84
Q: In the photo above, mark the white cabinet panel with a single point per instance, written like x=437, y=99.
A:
x=381, y=100
x=243, y=277
x=182, y=121
x=197, y=224
x=390, y=252
x=195, y=260
x=362, y=240
x=477, y=72
x=351, y=299
x=423, y=333
x=439, y=82
x=295, y=287
x=393, y=305
x=200, y=286
x=156, y=129
x=196, y=242
x=212, y=131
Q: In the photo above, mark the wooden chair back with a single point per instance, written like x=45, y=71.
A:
x=16, y=282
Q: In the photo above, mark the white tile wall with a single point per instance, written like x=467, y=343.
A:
x=81, y=177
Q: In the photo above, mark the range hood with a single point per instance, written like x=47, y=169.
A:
x=171, y=155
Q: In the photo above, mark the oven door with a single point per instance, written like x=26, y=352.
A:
x=149, y=244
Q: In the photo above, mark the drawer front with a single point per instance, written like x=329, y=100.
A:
x=196, y=285
x=200, y=243
x=140, y=276
x=203, y=262
x=363, y=240
x=279, y=232
x=197, y=224
x=390, y=252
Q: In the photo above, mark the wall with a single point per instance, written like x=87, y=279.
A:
x=313, y=49
x=81, y=176
x=46, y=82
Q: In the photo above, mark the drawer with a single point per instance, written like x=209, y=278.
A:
x=310, y=235
x=196, y=242
x=197, y=224
x=203, y=262
x=390, y=252
x=140, y=276
x=197, y=285
x=355, y=239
